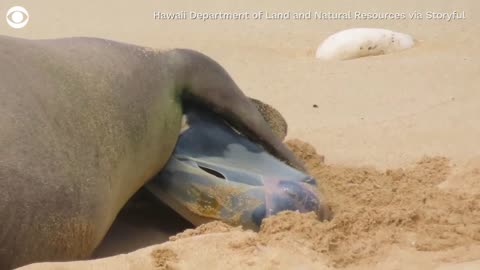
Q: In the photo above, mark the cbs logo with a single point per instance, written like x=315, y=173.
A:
x=17, y=17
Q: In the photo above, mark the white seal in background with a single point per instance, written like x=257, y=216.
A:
x=17, y=17
x=360, y=42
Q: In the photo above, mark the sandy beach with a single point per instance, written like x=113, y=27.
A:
x=399, y=132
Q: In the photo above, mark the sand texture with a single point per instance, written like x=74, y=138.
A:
x=396, y=135
x=389, y=219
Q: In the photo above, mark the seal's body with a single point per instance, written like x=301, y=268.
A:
x=84, y=124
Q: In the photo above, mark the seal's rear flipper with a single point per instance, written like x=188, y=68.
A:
x=274, y=119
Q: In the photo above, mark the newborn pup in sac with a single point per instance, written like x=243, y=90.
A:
x=216, y=173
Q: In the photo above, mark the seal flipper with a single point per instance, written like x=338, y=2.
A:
x=273, y=118
x=202, y=80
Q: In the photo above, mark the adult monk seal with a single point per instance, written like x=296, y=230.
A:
x=85, y=122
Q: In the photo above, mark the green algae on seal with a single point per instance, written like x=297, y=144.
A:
x=85, y=122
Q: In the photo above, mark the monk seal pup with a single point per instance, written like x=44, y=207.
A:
x=216, y=173
x=85, y=123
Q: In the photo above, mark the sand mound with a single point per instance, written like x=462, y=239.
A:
x=420, y=217
x=375, y=210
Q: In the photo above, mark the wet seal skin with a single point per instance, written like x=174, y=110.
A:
x=85, y=123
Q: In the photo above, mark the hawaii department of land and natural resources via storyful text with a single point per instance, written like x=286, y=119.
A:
x=309, y=15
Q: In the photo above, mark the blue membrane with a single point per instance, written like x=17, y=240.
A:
x=216, y=173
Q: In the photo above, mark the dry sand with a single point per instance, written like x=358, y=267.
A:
x=393, y=219
x=399, y=133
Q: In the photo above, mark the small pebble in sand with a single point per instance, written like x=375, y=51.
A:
x=360, y=42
